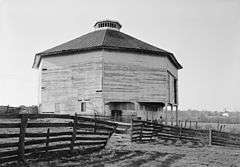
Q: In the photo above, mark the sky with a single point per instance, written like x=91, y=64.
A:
x=204, y=35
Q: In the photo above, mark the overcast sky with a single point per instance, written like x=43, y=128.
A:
x=204, y=35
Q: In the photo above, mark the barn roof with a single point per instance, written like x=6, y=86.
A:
x=105, y=39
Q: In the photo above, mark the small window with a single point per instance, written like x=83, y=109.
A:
x=83, y=107
x=57, y=107
x=44, y=69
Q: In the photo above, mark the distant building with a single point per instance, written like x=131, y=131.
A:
x=225, y=114
x=109, y=73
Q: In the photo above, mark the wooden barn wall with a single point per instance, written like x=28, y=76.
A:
x=135, y=77
x=70, y=80
x=171, y=89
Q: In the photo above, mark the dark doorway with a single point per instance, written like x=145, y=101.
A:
x=116, y=115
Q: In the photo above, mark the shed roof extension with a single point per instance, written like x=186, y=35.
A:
x=104, y=39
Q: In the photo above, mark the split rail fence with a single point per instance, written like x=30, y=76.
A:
x=35, y=135
x=145, y=131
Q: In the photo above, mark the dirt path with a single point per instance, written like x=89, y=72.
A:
x=179, y=154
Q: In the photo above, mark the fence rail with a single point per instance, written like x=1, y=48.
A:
x=144, y=131
x=35, y=135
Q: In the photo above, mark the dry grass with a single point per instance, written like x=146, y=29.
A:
x=121, y=152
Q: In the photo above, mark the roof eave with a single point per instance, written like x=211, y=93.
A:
x=36, y=62
x=174, y=60
x=38, y=56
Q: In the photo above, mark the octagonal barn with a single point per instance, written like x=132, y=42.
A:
x=109, y=73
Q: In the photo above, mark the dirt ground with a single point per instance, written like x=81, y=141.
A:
x=121, y=152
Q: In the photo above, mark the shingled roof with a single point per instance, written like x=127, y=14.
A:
x=105, y=39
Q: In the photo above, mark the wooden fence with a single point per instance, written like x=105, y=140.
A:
x=122, y=118
x=225, y=139
x=45, y=133
x=144, y=131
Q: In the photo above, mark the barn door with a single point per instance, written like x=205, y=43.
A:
x=116, y=115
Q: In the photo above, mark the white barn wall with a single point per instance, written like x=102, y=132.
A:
x=136, y=77
x=70, y=78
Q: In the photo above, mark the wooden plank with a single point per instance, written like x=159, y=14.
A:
x=52, y=134
x=42, y=141
x=13, y=135
x=91, y=138
x=172, y=136
x=9, y=116
x=9, y=125
x=53, y=147
x=92, y=133
x=89, y=143
x=85, y=119
x=6, y=145
x=8, y=159
x=225, y=133
x=61, y=147
x=226, y=142
x=81, y=125
x=40, y=116
x=8, y=153
x=42, y=125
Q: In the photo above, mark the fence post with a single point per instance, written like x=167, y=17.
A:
x=180, y=131
x=141, y=132
x=94, y=129
x=221, y=126
x=218, y=126
x=74, y=132
x=21, y=145
x=196, y=125
x=131, y=128
x=210, y=137
x=47, y=139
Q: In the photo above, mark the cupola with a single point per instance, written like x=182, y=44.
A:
x=108, y=24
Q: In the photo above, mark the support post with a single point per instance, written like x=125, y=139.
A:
x=190, y=124
x=176, y=115
x=172, y=115
x=47, y=139
x=94, y=130
x=185, y=124
x=74, y=132
x=210, y=137
x=180, y=131
x=131, y=132
x=141, y=133
x=166, y=117
x=218, y=126
x=196, y=125
x=21, y=145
